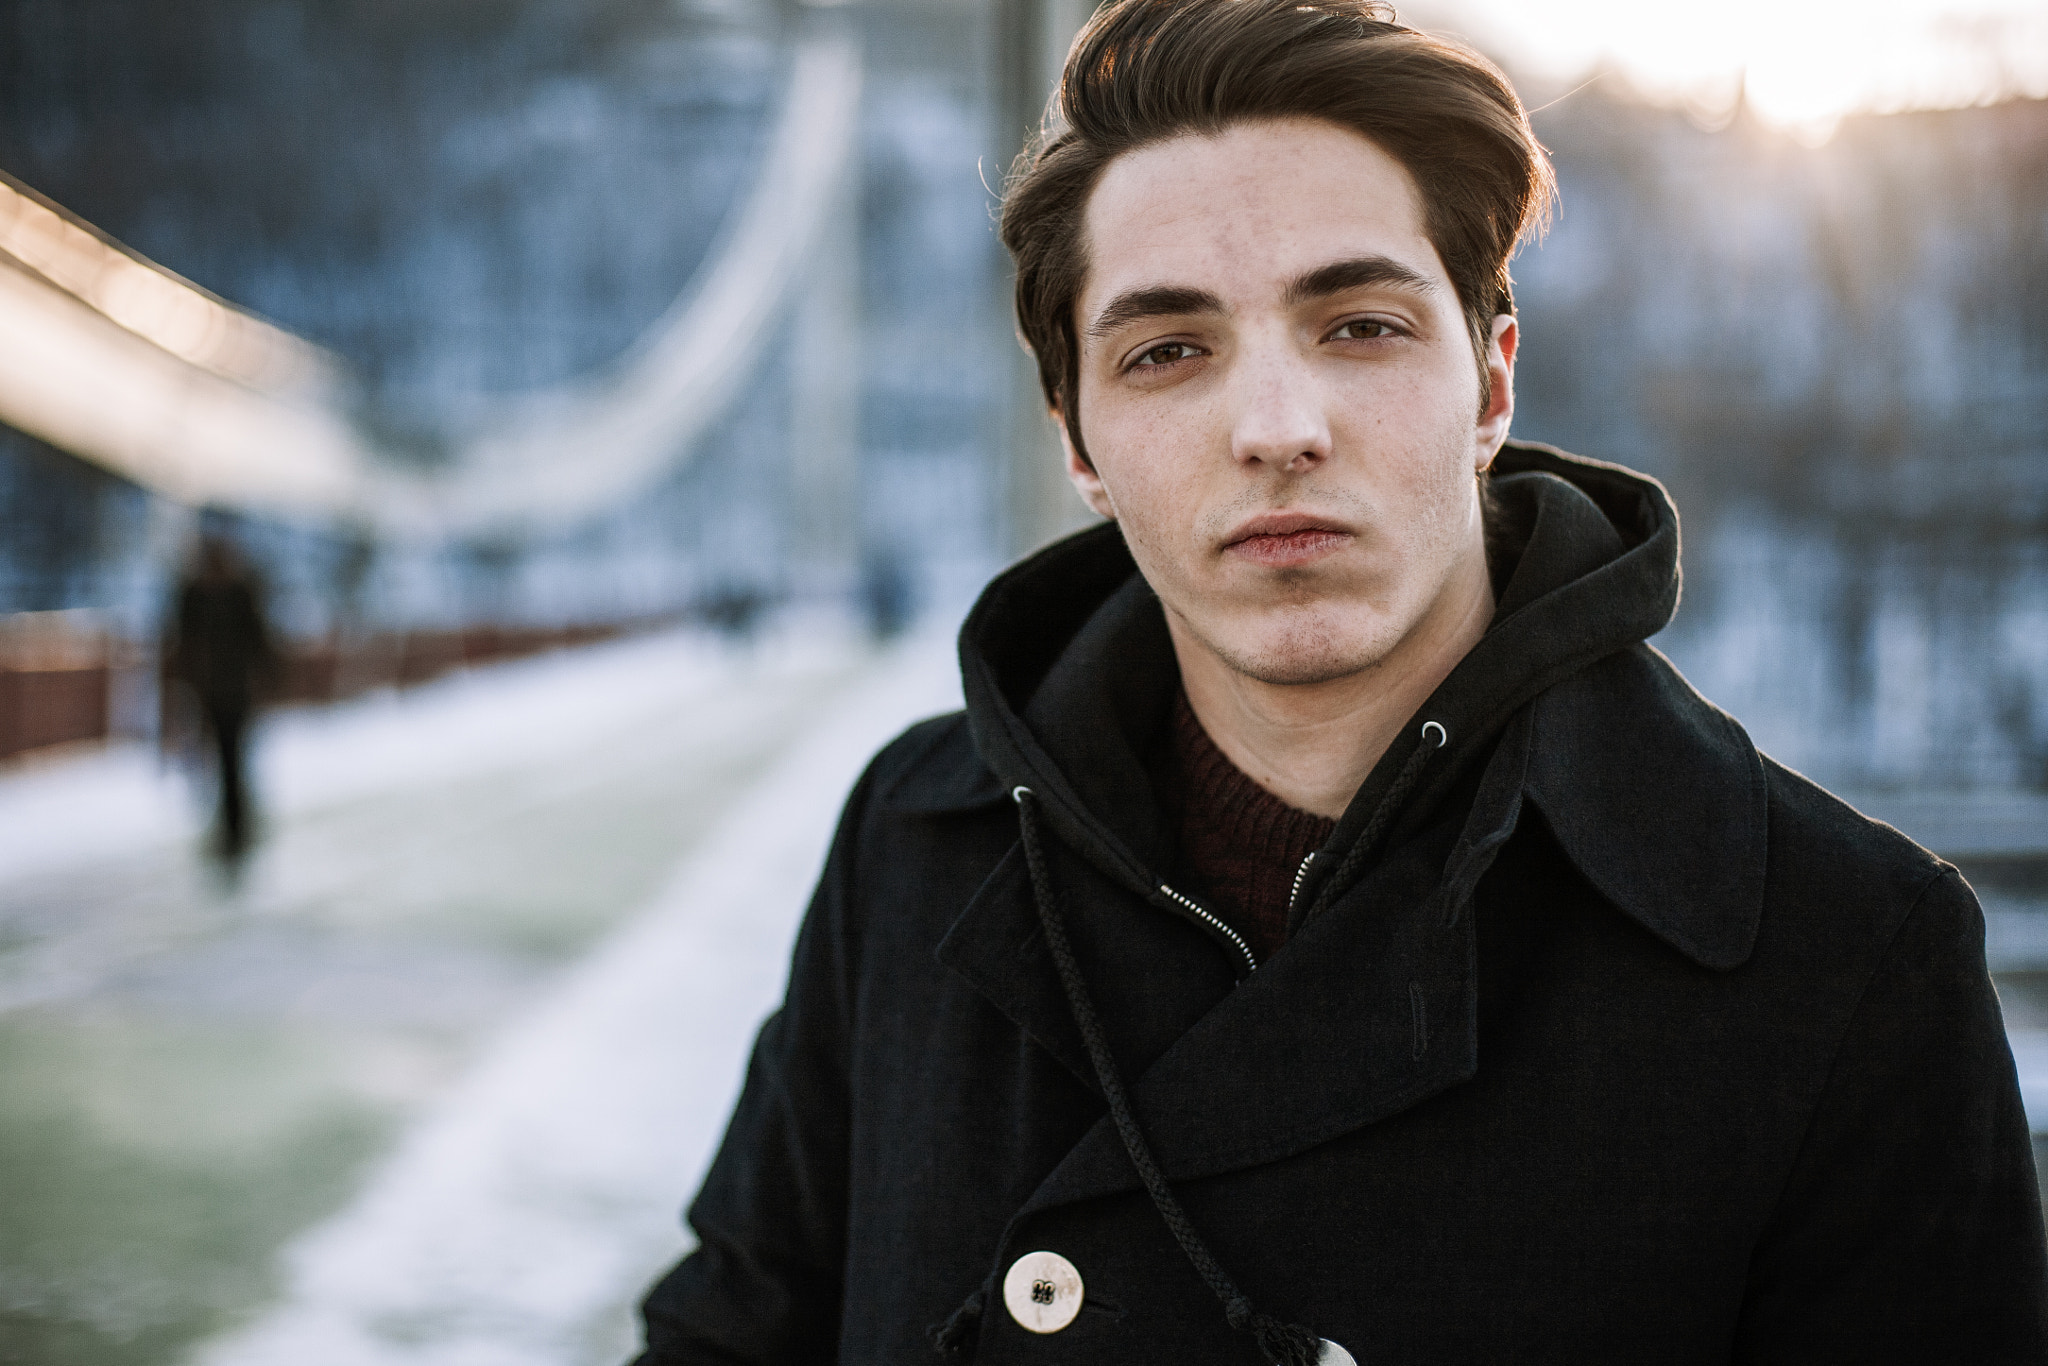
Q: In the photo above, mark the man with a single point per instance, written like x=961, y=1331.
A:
x=1330, y=933
x=219, y=645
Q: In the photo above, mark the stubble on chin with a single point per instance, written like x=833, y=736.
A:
x=1297, y=645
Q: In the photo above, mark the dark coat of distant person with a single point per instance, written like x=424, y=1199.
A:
x=219, y=645
x=1634, y=1046
x=220, y=642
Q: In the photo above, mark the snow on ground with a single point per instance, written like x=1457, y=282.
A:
x=517, y=1223
x=55, y=814
x=64, y=813
x=199, y=1068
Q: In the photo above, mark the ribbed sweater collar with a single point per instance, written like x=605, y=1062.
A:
x=1238, y=843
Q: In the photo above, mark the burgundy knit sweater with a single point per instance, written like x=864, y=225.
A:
x=1240, y=844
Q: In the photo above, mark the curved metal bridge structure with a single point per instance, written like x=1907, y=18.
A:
x=110, y=356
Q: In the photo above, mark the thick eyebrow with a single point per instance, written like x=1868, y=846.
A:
x=1358, y=273
x=1152, y=301
x=1164, y=301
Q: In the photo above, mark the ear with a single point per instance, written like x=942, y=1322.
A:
x=1083, y=474
x=1500, y=404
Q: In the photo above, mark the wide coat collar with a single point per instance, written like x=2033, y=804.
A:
x=1654, y=795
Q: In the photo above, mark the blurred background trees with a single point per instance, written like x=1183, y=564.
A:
x=1834, y=357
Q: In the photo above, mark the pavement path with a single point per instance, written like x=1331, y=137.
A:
x=198, y=1073
x=519, y=1221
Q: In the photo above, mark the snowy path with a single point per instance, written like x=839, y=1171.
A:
x=386, y=813
x=197, y=1072
x=517, y=1223
x=67, y=814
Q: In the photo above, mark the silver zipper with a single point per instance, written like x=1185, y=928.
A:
x=1251, y=962
x=1300, y=876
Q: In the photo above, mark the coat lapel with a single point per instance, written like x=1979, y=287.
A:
x=1369, y=1010
x=1153, y=976
x=1365, y=1014
x=1659, y=799
x=1372, y=1008
x=997, y=946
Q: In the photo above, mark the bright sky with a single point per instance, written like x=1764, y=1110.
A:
x=1806, y=62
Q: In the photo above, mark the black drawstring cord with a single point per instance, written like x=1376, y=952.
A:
x=1382, y=817
x=1284, y=1344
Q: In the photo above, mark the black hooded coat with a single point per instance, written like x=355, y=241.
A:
x=1620, y=1044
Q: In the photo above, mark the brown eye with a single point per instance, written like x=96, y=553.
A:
x=1166, y=353
x=1362, y=329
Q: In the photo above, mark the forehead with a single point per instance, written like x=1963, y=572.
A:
x=1246, y=211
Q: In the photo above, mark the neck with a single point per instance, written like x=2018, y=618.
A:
x=1312, y=744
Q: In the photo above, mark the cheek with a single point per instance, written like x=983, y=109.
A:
x=1402, y=423
x=1442, y=395
x=1145, y=462
x=1414, y=439
x=1151, y=504
x=1451, y=493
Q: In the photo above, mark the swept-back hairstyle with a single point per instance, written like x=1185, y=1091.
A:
x=1143, y=71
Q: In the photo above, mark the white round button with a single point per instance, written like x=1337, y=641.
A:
x=1042, y=1291
x=1333, y=1355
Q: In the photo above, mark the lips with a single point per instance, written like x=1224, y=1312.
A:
x=1283, y=540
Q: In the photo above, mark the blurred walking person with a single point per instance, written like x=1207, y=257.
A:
x=219, y=646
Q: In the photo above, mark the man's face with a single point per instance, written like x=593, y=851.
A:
x=1279, y=395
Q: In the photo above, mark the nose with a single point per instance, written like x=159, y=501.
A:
x=1279, y=419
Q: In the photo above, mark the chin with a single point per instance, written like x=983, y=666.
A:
x=1297, y=653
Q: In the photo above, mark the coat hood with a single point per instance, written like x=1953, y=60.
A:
x=1068, y=674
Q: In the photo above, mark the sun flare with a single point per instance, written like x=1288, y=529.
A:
x=1801, y=64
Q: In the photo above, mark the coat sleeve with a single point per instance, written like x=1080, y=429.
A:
x=763, y=1285
x=1910, y=1229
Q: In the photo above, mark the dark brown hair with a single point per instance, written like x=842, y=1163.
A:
x=1143, y=71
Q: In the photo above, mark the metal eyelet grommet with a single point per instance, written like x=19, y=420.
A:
x=1443, y=737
